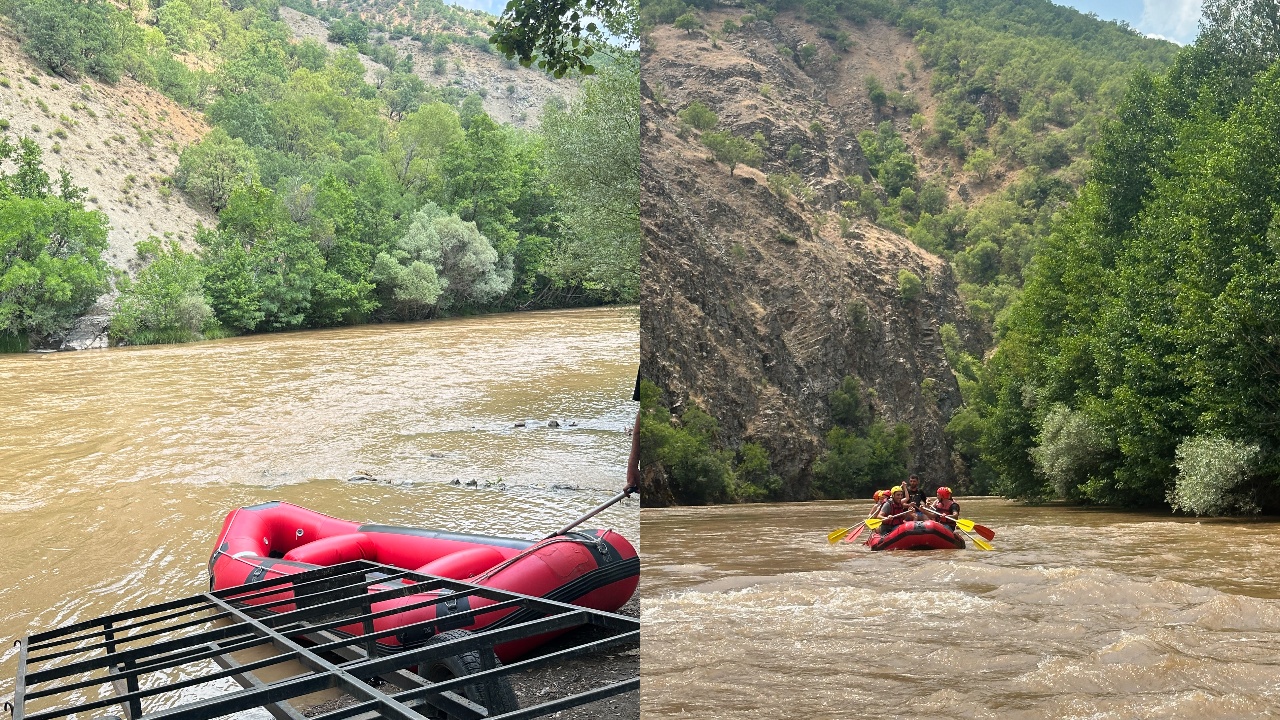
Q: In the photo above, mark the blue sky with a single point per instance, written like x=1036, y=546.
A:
x=1175, y=20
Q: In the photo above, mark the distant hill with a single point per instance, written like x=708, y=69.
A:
x=873, y=140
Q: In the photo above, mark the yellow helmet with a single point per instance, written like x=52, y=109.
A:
x=896, y=489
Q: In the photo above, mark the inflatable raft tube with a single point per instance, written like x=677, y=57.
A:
x=918, y=535
x=597, y=569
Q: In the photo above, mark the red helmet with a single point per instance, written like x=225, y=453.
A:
x=944, y=492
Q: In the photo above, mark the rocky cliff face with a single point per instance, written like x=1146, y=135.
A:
x=755, y=303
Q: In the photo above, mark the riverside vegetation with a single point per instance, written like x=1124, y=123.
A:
x=338, y=201
x=1141, y=364
x=1115, y=238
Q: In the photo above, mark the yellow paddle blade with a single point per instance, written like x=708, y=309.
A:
x=966, y=525
x=982, y=544
x=873, y=523
x=835, y=535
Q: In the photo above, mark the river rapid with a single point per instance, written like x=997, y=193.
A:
x=117, y=467
x=748, y=613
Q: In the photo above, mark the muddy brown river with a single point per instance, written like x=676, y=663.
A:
x=749, y=613
x=117, y=467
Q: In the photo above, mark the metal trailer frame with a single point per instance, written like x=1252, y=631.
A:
x=152, y=653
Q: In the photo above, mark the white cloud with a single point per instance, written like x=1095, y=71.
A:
x=1176, y=20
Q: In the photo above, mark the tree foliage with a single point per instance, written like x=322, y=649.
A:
x=72, y=37
x=215, y=167
x=51, y=266
x=166, y=302
x=593, y=159
x=563, y=35
x=1149, y=311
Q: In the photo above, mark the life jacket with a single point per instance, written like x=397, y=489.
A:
x=892, y=507
x=945, y=510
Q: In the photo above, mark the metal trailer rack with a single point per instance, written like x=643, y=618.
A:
x=176, y=659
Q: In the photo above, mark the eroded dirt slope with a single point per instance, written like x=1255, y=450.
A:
x=121, y=142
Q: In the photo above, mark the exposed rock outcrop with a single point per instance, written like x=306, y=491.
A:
x=755, y=304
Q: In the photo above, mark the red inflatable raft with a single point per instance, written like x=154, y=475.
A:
x=917, y=535
x=598, y=569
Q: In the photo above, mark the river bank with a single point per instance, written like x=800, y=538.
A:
x=121, y=465
x=1075, y=613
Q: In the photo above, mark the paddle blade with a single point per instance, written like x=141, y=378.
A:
x=966, y=525
x=835, y=535
x=985, y=531
x=854, y=535
x=982, y=544
x=872, y=523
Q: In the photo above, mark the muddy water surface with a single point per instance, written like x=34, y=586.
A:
x=748, y=612
x=117, y=467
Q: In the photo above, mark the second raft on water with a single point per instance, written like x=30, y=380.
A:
x=917, y=535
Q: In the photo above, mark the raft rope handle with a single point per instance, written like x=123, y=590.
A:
x=536, y=546
x=218, y=544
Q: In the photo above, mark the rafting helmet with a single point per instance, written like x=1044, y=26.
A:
x=896, y=489
x=944, y=492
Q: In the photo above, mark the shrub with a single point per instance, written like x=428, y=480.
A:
x=732, y=150
x=790, y=184
x=699, y=116
x=698, y=473
x=876, y=93
x=854, y=464
x=909, y=285
x=166, y=303
x=1071, y=447
x=786, y=238
x=1211, y=471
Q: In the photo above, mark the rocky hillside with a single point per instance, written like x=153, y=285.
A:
x=121, y=142
x=512, y=95
x=758, y=300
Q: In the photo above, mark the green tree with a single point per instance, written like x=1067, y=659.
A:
x=562, y=35
x=980, y=163
x=166, y=302
x=51, y=266
x=214, y=168
x=420, y=142
x=440, y=264
x=73, y=38
x=732, y=150
x=688, y=22
x=261, y=266
x=699, y=116
x=593, y=158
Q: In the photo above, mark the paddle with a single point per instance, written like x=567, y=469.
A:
x=855, y=534
x=588, y=516
x=834, y=536
x=978, y=541
x=971, y=526
x=960, y=527
x=874, y=523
